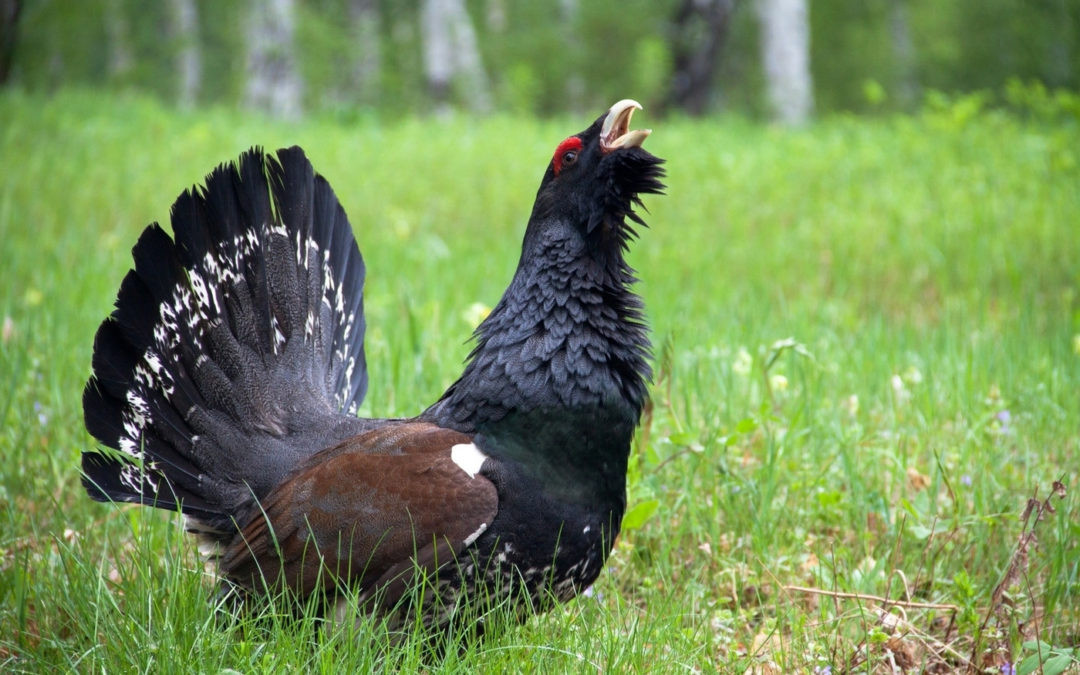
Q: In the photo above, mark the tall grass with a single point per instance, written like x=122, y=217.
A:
x=867, y=363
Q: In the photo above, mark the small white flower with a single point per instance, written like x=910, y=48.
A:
x=851, y=404
x=743, y=362
x=475, y=313
x=913, y=375
x=900, y=390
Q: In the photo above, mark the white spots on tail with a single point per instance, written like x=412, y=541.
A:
x=301, y=251
x=157, y=375
x=468, y=458
x=131, y=477
x=202, y=293
x=140, y=411
x=279, y=337
x=153, y=361
x=137, y=479
x=206, y=539
x=200, y=301
x=137, y=475
x=475, y=535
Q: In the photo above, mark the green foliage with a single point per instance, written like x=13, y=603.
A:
x=1053, y=660
x=548, y=58
x=927, y=263
x=1034, y=99
x=958, y=46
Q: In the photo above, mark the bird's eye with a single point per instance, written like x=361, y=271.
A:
x=566, y=154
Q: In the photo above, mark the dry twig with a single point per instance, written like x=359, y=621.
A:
x=873, y=598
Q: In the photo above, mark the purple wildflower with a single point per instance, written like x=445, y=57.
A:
x=1004, y=418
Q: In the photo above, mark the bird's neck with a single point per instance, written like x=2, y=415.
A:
x=568, y=336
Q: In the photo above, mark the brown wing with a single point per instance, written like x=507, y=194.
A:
x=362, y=511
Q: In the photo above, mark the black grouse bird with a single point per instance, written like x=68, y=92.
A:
x=227, y=378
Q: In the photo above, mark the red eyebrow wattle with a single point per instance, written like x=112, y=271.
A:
x=572, y=143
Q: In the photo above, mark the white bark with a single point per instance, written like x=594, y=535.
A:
x=1061, y=65
x=569, y=10
x=496, y=16
x=273, y=81
x=117, y=31
x=450, y=49
x=185, y=25
x=785, y=53
x=903, y=52
x=364, y=18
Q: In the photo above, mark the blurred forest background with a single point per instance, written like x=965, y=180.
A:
x=785, y=60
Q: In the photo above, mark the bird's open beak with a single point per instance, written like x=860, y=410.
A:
x=615, y=132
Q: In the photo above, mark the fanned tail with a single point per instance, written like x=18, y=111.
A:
x=235, y=349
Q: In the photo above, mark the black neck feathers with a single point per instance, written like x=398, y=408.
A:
x=567, y=334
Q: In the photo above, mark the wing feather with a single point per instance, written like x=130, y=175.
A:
x=358, y=514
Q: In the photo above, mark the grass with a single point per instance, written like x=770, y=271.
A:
x=867, y=363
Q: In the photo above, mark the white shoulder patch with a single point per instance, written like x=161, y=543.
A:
x=468, y=457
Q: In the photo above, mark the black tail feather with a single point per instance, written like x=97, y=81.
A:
x=235, y=350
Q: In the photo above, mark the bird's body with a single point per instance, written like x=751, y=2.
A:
x=227, y=377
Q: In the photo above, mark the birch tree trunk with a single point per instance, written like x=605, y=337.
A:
x=785, y=53
x=185, y=29
x=449, y=45
x=575, y=87
x=1061, y=61
x=904, y=53
x=117, y=31
x=367, y=66
x=700, y=30
x=273, y=82
x=9, y=22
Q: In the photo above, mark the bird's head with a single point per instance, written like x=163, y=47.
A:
x=568, y=332
x=595, y=178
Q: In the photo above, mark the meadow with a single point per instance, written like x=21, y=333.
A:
x=867, y=382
